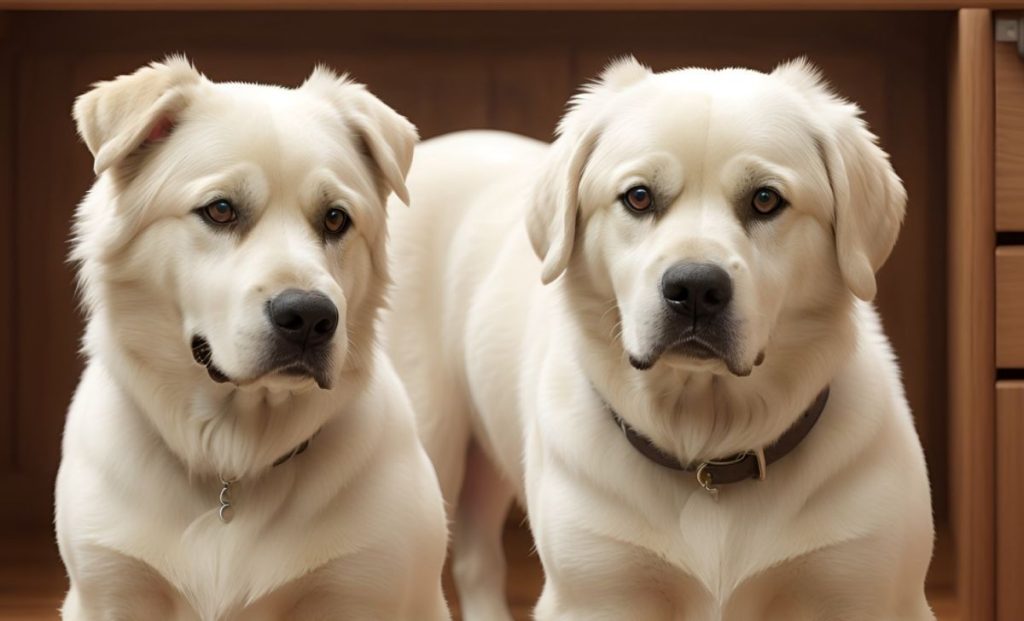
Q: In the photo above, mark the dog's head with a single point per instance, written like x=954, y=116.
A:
x=709, y=206
x=237, y=225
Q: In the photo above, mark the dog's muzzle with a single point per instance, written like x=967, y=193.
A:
x=303, y=323
x=697, y=322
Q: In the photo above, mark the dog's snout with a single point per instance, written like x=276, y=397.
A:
x=303, y=317
x=696, y=289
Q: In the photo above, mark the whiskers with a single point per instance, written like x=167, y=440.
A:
x=615, y=331
x=201, y=351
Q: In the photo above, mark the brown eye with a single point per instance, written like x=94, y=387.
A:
x=336, y=221
x=638, y=199
x=766, y=200
x=220, y=211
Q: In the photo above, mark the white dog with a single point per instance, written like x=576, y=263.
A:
x=709, y=240
x=238, y=447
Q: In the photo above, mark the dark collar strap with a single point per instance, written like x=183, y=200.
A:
x=298, y=450
x=739, y=467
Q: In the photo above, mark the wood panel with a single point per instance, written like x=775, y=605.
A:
x=511, y=5
x=7, y=265
x=1010, y=306
x=1010, y=503
x=972, y=311
x=49, y=173
x=1009, y=84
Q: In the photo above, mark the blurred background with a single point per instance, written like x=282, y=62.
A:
x=445, y=71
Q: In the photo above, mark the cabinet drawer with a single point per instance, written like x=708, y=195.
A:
x=1009, y=70
x=1010, y=306
x=1009, y=498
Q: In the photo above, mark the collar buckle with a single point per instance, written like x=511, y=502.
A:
x=705, y=476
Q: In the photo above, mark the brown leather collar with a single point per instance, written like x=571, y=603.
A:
x=735, y=468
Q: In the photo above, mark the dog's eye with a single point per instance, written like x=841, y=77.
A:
x=766, y=201
x=336, y=221
x=220, y=211
x=638, y=199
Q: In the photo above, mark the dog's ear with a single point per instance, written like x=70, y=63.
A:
x=119, y=116
x=551, y=220
x=870, y=200
x=388, y=137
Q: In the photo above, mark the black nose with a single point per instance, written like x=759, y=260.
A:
x=696, y=289
x=303, y=317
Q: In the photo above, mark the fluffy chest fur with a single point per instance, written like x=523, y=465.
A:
x=287, y=521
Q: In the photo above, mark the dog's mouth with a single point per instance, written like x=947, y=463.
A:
x=695, y=347
x=202, y=353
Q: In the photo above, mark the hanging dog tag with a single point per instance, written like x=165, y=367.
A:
x=227, y=512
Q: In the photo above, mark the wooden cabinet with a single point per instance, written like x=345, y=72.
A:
x=946, y=101
x=1009, y=137
x=1009, y=296
x=1010, y=305
x=1010, y=498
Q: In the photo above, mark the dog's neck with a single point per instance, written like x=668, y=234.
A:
x=700, y=415
x=213, y=430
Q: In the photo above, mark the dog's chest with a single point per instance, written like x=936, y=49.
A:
x=221, y=568
x=714, y=545
x=727, y=548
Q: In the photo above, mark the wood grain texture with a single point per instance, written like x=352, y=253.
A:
x=510, y=5
x=972, y=311
x=1009, y=84
x=1010, y=307
x=8, y=355
x=48, y=326
x=1010, y=499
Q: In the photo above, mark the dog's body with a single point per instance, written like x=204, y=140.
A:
x=232, y=265
x=514, y=382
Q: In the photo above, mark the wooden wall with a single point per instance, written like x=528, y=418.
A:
x=445, y=71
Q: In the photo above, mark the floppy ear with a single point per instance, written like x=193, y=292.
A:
x=870, y=200
x=551, y=220
x=117, y=117
x=387, y=136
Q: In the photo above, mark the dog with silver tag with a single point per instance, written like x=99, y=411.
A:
x=238, y=447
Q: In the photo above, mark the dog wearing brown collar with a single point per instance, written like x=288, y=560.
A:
x=657, y=334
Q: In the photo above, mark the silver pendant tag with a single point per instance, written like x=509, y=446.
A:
x=226, y=512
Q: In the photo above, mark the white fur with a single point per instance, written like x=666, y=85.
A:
x=510, y=378
x=353, y=527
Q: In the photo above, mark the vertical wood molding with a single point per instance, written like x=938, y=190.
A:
x=1010, y=498
x=971, y=240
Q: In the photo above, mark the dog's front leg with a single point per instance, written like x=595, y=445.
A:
x=478, y=559
x=71, y=610
x=563, y=603
x=591, y=577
